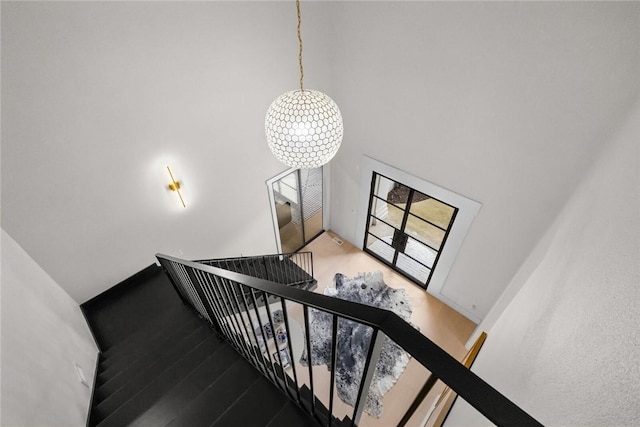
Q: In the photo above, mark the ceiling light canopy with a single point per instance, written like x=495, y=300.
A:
x=303, y=127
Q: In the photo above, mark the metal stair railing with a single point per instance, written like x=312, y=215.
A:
x=288, y=269
x=229, y=302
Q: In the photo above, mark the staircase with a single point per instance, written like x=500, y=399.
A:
x=163, y=365
x=209, y=343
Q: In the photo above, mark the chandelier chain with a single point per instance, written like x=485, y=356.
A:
x=300, y=47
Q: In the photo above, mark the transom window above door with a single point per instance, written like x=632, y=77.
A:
x=406, y=228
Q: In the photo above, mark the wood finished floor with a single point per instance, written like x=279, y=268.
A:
x=440, y=323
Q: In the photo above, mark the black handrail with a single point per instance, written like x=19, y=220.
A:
x=479, y=394
x=295, y=268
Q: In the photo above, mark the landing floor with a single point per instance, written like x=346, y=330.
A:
x=440, y=323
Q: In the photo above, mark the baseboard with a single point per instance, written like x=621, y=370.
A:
x=93, y=335
x=93, y=388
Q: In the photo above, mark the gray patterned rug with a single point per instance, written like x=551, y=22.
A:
x=354, y=338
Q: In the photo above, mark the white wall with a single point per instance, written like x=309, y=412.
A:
x=43, y=335
x=95, y=95
x=566, y=348
x=506, y=103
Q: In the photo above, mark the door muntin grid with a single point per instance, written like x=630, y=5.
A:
x=406, y=229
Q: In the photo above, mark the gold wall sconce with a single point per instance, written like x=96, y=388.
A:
x=175, y=186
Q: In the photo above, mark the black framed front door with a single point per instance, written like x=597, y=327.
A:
x=406, y=229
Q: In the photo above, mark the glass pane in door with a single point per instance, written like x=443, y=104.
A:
x=387, y=212
x=380, y=248
x=381, y=230
x=288, y=211
x=431, y=210
x=296, y=203
x=311, y=188
x=424, y=232
x=423, y=253
x=413, y=268
x=406, y=228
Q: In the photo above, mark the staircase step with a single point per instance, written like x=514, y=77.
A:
x=214, y=400
x=120, y=375
x=165, y=409
x=255, y=407
x=163, y=365
x=146, y=333
x=291, y=416
x=321, y=411
x=140, y=379
x=111, y=369
x=154, y=390
x=119, y=310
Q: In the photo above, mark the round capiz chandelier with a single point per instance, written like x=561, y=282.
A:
x=304, y=128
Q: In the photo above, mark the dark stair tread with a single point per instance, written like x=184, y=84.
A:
x=117, y=312
x=321, y=411
x=148, y=332
x=155, y=389
x=166, y=360
x=147, y=350
x=118, y=376
x=213, y=401
x=255, y=407
x=170, y=404
x=292, y=416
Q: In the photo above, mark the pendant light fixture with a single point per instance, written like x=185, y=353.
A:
x=303, y=127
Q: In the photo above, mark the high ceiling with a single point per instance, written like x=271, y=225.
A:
x=505, y=103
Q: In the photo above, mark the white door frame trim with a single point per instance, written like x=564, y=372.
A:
x=467, y=210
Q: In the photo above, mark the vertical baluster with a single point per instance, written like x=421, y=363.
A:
x=206, y=288
x=284, y=374
x=198, y=288
x=256, y=348
x=225, y=287
x=231, y=320
x=266, y=270
x=165, y=268
x=308, y=344
x=250, y=347
x=250, y=331
x=266, y=342
x=224, y=327
x=237, y=314
x=262, y=270
x=226, y=313
x=183, y=279
x=278, y=271
x=373, y=355
x=334, y=347
x=288, y=271
x=299, y=262
x=181, y=285
x=311, y=263
x=283, y=303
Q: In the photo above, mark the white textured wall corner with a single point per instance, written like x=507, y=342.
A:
x=566, y=348
x=43, y=336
